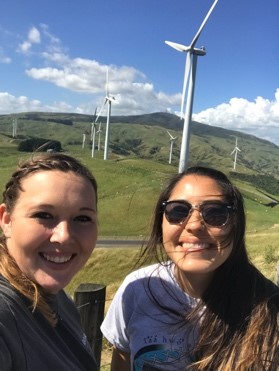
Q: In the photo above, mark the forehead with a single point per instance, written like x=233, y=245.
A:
x=55, y=183
x=197, y=187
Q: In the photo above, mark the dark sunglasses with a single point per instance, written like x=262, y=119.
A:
x=214, y=214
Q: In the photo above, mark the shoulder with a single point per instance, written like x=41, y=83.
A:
x=154, y=282
x=163, y=271
x=10, y=299
x=66, y=307
x=273, y=295
x=267, y=292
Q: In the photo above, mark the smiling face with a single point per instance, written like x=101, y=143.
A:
x=195, y=248
x=52, y=229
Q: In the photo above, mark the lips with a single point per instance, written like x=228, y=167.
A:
x=58, y=259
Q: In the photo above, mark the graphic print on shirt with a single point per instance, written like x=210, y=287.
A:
x=162, y=354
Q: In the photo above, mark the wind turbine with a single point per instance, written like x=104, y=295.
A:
x=83, y=140
x=108, y=100
x=14, y=127
x=99, y=131
x=172, y=140
x=235, y=150
x=189, y=81
x=93, y=133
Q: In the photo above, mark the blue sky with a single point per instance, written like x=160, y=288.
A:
x=54, y=56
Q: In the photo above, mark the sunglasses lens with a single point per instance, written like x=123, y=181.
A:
x=215, y=215
x=176, y=212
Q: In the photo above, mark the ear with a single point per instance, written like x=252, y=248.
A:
x=5, y=221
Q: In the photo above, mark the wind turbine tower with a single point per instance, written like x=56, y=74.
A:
x=108, y=100
x=83, y=140
x=99, y=131
x=189, y=83
x=172, y=140
x=235, y=150
x=93, y=134
x=14, y=127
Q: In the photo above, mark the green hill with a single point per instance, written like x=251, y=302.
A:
x=137, y=170
x=146, y=137
x=138, y=163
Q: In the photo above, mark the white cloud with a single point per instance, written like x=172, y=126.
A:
x=25, y=46
x=260, y=118
x=134, y=94
x=3, y=58
x=12, y=104
x=131, y=88
x=33, y=37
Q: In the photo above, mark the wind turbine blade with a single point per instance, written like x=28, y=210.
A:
x=107, y=90
x=101, y=109
x=179, y=47
x=95, y=115
x=186, y=78
x=111, y=98
x=171, y=137
x=195, y=39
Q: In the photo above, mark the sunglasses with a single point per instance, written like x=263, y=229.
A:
x=214, y=214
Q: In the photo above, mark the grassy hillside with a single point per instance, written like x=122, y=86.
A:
x=146, y=137
x=137, y=170
x=138, y=166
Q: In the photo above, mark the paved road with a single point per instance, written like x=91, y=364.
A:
x=119, y=243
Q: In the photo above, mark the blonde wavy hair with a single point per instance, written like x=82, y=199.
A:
x=8, y=267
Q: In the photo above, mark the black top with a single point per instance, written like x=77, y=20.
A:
x=29, y=343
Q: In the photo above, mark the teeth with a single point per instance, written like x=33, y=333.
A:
x=187, y=245
x=57, y=259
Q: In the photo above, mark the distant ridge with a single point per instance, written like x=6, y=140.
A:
x=145, y=136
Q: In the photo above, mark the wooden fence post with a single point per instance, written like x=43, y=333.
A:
x=277, y=274
x=90, y=302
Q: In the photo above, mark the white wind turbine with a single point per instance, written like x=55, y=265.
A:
x=108, y=100
x=14, y=127
x=189, y=80
x=93, y=133
x=235, y=150
x=83, y=140
x=99, y=131
x=172, y=140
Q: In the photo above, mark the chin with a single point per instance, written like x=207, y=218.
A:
x=201, y=268
x=54, y=286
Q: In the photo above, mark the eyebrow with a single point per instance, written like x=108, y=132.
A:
x=49, y=206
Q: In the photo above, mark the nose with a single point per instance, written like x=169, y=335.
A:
x=61, y=233
x=194, y=221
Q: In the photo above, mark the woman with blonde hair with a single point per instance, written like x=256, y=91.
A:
x=49, y=223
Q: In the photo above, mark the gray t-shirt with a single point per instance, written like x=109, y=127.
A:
x=147, y=319
x=29, y=343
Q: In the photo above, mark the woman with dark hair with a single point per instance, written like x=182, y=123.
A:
x=203, y=305
x=49, y=223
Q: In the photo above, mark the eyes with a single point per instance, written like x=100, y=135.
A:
x=44, y=216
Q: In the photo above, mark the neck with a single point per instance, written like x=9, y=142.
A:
x=193, y=284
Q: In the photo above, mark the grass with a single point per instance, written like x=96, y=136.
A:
x=109, y=266
x=128, y=188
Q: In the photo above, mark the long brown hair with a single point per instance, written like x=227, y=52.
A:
x=8, y=268
x=239, y=326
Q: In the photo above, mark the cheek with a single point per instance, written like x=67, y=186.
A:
x=170, y=232
x=28, y=235
x=221, y=233
x=89, y=239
